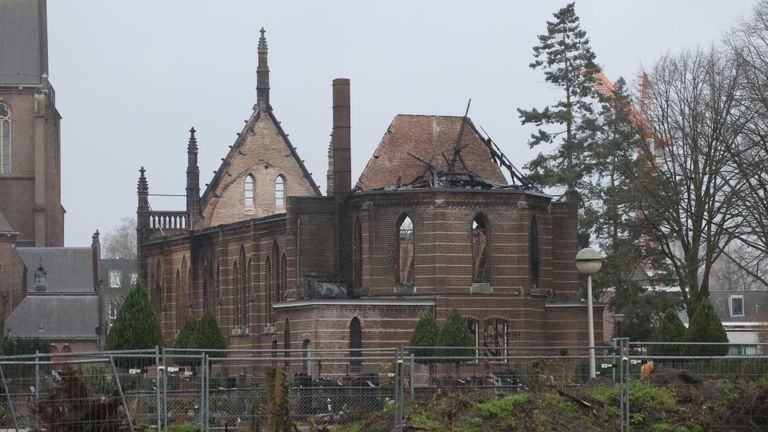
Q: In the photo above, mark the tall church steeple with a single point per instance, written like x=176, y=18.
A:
x=262, y=75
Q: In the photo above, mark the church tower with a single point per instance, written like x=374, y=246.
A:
x=30, y=154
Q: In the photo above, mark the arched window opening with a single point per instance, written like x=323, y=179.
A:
x=5, y=140
x=287, y=342
x=280, y=191
x=182, y=295
x=355, y=344
x=157, y=290
x=249, y=187
x=357, y=257
x=533, y=253
x=217, y=289
x=240, y=289
x=283, y=277
x=175, y=300
x=405, y=248
x=248, y=289
x=480, y=273
x=277, y=289
x=496, y=337
x=268, y=291
x=235, y=320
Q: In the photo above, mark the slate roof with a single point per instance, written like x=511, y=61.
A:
x=69, y=270
x=22, y=42
x=429, y=138
x=61, y=316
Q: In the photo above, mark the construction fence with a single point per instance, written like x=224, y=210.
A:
x=250, y=390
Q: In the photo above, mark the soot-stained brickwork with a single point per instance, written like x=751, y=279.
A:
x=432, y=224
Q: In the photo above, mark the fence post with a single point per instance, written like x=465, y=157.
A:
x=206, y=390
x=10, y=401
x=120, y=392
x=158, y=408
x=412, y=374
x=165, y=393
x=201, y=409
x=37, y=386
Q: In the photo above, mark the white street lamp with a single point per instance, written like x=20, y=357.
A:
x=589, y=261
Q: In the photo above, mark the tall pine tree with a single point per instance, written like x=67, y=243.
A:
x=567, y=61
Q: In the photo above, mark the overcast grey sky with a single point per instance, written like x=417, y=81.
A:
x=131, y=77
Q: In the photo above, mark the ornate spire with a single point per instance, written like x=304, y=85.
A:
x=193, y=179
x=262, y=75
x=192, y=146
x=143, y=191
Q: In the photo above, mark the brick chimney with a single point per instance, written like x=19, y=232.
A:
x=342, y=177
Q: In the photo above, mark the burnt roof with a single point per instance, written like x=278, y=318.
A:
x=416, y=147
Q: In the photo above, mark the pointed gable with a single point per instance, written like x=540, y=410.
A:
x=431, y=139
x=261, y=169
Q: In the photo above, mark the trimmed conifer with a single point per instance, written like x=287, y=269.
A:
x=425, y=335
x=184, y=340
x=136, y=327
x=207, y=335
x=455, y=334
x=670, y=329
x=705, y=326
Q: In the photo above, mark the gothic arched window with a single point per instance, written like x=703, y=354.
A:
x=355, y=344
x=235, y=295
x=247, y=289
x=280, y=191
x=357, y=257
x=175, y=301
x=533, y=253
x=405, y=248
x=268, y=291
x=5, y=140
x=249, y=187
x=276, y=275
x=480, y=271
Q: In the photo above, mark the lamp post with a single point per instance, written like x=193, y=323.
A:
x=589, y=261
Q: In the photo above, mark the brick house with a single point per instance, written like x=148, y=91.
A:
x=432, y=223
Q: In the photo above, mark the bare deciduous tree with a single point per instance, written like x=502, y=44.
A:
x=685, y=187
x=120, y=242
x=749, y=156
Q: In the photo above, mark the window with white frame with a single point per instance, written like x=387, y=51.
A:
x=114, y=278
x=736, y=303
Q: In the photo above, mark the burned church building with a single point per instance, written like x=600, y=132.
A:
x=431, y=224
